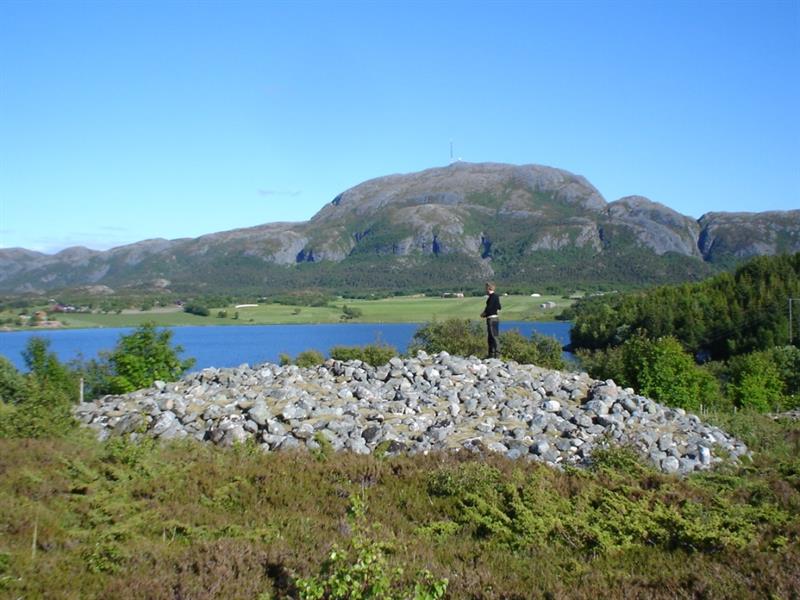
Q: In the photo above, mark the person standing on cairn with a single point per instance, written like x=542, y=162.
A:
x=491, y=314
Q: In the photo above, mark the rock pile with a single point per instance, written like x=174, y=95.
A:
x=415, y=405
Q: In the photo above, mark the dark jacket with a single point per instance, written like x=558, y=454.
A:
x=492, y=305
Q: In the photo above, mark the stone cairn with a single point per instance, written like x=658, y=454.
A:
x=414, y=405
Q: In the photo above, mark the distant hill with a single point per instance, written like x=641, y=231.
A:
x=447, y=227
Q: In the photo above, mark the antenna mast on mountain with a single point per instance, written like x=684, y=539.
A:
x=451, y=150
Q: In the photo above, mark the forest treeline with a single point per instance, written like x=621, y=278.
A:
x=736, y=325
x=729, y=314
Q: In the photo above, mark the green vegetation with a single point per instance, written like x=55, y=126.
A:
x=139, y=359
x=318, y=308
x=125, y=519
x=468, y=338
x=307, y=358
x=143, y=520
x=197, y=309
x=367, y=574
x=349, y=313
x=652, y=340
x=372, y=354
x=38, y=404
x=732, y=313
x=659, y=369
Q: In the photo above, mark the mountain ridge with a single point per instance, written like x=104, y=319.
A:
x=444, y=225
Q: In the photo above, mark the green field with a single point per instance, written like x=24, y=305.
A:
x=406, y=309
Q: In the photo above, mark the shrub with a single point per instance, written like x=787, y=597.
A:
x=12, y=382
x=787, y=361
x=309, y=358
x=372, y=354
x=541, y=350
x=362, y=571
x=662, y=370
x=659, y=368
x=755, y=382
x=42, y=399
x=348, y=312
x=139, y=359
x=196, y=309
x=463, y=337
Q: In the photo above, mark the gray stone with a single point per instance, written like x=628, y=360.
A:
x=665, y=442
x=260, y=413
x=670, y=465
x=289, y=443
x=551, y=406
x=165, y=421
x=597, y=407
x=371, y=434
x=129, y=423
x=420, y=404
x=304, y=432
x=293, y=413
x=539, y=446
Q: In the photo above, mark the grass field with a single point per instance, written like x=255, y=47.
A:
x=405, y=309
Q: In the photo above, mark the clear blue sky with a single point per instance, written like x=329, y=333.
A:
x=122, y=121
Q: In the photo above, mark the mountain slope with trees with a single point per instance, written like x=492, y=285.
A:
x=736, y=324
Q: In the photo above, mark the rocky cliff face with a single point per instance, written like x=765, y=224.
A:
x=725, y=236
x=512, y=222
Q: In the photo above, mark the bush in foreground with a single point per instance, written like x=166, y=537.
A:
x=38, y=403
x=145, y=520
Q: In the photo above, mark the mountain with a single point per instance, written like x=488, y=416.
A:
x=441, y=228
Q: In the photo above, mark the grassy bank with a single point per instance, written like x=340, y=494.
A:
x=187, y=520
x=405, y=309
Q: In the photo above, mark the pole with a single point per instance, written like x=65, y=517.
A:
x=791, y=320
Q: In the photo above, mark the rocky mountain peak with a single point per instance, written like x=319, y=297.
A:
x=439, y=227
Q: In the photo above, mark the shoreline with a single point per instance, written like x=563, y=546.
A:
x=6, y=329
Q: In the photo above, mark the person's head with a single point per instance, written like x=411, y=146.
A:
x=489, y=287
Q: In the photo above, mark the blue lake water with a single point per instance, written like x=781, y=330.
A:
x=231, y=346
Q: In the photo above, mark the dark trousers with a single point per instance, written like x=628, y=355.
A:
x=493, y=337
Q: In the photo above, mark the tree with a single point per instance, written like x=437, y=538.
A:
x=12, y=382
x=39, y=403
x=46, y=370
x=541, y=350
x=196, y=309
x=755, y=382
x=662, y=370
x=349, y=312
x=659, y=369
x=140, y=358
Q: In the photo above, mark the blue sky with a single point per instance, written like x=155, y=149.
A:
x=123, y=121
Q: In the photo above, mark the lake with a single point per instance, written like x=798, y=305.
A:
x=231, y=346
